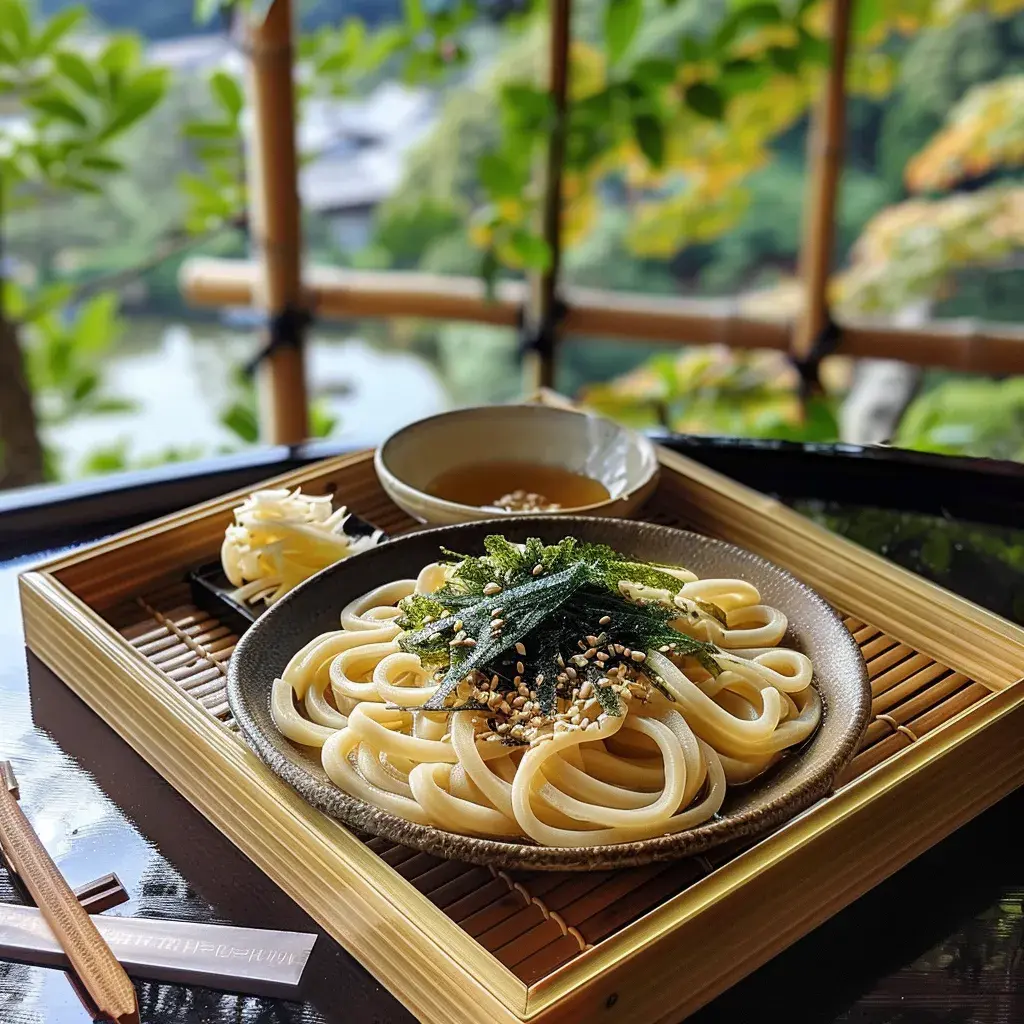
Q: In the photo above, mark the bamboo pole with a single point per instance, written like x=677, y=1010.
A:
x=541, y=313
x=967, y=345
x=275, y=218
x=828, y=128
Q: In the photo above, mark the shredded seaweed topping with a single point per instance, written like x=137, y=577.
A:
x=539, y=621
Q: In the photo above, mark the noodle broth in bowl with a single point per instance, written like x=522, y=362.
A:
x=495, y=461
x=565, y=693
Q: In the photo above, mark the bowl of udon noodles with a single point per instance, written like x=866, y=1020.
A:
x=554, y=693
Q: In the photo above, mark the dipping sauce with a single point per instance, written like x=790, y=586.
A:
x=517, y=487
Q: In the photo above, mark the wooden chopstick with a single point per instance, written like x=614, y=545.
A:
x=101, y=975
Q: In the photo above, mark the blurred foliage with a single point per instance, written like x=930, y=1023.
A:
x=72, y=114
x=714, y=390
x=968, y=417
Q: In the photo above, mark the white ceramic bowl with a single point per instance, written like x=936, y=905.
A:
x=411, y=459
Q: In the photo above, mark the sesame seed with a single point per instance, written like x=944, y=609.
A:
x=626, y=652
x=584, y=722
x=602, y=657
x=520, y=667
x=538, y=569
x=457, y=625
x=496, y=613
x=570, y=673
x=492, y=588
x=592, y=640
x=503, y=728
x=589, y=653
x=664, y=648
x=639, y=656
x=521, y=650
x=586, y=689
x=604, y=620
x=470, y=642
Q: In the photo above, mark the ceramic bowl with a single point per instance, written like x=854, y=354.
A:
x=411, y=459
x=803, y=776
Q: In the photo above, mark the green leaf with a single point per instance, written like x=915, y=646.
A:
x=745, y=20
x=784, y=59
x=137, y=99
x=75, y=69
x=110, y=405
x=813, y=49
x=96, y=325
x=415, y=16
x=531, y=249
x=85, y=386
x=650, y=137
x=56, y=28
x=866, y=15
x=58, y=107
x=321, y=421
x=103, y=164
x=654, y=72
x=228, y=93
x=621, y=20
x=738, y=76
x=241, y=420
x=80, y=184
x=691, y=50
x=210, y=130
x=705, y=100
x=120, y=54
x=16, y=25
x=500, y=176
x=526, y=108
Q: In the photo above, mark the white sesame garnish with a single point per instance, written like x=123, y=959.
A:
x=492, y=588
x=521, y=650
x=604, y=620
x=538, y=569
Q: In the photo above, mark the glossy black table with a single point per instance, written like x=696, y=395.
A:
x=941, y=941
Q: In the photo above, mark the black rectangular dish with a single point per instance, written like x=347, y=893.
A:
x=212, y=591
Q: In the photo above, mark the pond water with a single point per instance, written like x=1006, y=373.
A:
x=181, y=378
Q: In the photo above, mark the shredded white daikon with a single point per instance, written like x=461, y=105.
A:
x=280, y=538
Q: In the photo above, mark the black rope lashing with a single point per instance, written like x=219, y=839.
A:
x=284, y=330
x=808, y=367
x=540, y=339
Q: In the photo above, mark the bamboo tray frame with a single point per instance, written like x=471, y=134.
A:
x=456, y=943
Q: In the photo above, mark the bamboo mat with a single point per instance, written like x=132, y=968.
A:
x=534, y=922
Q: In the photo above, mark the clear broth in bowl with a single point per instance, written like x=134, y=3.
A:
x=517, y=487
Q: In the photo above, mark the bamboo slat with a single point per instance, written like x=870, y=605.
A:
x=966, y=345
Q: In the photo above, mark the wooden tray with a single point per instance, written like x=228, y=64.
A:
x=459, y=943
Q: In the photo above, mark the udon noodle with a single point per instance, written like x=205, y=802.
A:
x=679, y=733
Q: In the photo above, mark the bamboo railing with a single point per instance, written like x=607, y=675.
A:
x=334, y=293
x=825, y=159
x=543, y=308
x=275, y=223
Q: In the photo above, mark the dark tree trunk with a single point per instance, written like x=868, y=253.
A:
x=21, y=452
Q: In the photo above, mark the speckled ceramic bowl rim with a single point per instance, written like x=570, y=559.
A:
x=643, y=444
x=744, y=825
